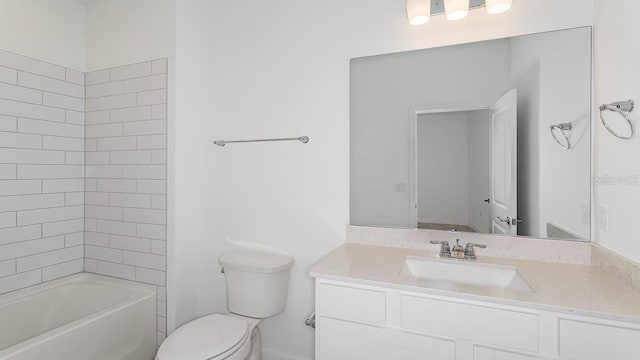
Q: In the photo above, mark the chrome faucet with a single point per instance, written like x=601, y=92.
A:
x=458, y=252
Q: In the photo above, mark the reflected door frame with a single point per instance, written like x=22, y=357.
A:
x=414, y=113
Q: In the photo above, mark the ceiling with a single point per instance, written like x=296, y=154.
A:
x=437, y=6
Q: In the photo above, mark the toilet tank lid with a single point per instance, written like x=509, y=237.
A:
x=253, y=261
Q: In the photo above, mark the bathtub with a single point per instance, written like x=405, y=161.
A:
x=79, y=317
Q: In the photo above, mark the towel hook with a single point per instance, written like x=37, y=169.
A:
x=565, y=130
x=623, y=108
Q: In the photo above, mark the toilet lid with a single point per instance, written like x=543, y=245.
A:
x=204, y=338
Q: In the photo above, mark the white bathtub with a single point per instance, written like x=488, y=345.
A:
x=79, y=317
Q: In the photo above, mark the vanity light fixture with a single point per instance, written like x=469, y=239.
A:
x=456, y=9
x=418, y=11
x=498, y=6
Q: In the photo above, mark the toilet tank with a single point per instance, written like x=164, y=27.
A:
x=257, y=283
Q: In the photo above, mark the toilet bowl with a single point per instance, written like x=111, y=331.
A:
x=214, y=337
x=257, y=286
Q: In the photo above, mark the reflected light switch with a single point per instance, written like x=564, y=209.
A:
x=399, y=186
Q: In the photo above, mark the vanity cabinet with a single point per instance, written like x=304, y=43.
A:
x=356, y=321
x=482, y=353
x=344, y=340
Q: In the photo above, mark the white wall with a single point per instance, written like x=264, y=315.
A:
x=256, y=68
x=48, y=30
x=384, y=91
x=617, y=56
x=121, y=32
x=453, y=156
x=552, y=74
x=443, y=165
x=479, y=170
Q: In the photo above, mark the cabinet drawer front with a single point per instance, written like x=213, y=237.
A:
x=591, y=341
x=487, y=325
x=367, y=306
x=483, y=353
x=342, y=340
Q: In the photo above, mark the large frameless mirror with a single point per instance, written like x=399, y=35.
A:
x=489, y=137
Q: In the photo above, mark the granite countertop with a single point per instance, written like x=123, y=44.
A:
x=576, y=289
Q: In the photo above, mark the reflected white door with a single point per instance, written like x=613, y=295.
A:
x=504, y=169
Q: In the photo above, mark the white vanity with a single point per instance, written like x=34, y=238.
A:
x=373, y=303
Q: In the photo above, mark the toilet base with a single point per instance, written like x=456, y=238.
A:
x=256, y=345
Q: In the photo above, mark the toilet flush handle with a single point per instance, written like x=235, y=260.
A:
x=311, y=321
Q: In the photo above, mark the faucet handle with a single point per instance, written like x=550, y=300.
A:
x=469, y=252
x=445, y=249
x=472, y=245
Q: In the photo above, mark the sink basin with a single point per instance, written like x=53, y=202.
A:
x=466, y=273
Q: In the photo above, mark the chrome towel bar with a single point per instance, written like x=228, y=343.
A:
x=302, y=139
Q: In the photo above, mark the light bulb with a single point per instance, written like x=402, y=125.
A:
x=498, y=6
x=418, y=11
x=456, y=9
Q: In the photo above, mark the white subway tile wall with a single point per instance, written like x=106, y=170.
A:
x=42, y=170
x=125, y=182
x=83, y=173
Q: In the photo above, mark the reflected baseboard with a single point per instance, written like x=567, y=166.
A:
x=446, y=227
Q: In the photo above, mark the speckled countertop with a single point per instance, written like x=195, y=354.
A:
x=568, y=288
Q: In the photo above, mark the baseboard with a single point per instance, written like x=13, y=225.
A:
x=268, y=354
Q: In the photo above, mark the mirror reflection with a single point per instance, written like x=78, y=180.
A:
x=491, y=137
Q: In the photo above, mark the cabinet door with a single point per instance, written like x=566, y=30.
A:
x=343, y=340
x=483, y=353
x=585, y=340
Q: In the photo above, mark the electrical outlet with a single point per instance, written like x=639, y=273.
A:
x=586, y=212
x=603, y=217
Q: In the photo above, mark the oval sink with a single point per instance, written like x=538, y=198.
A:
x=468, y=273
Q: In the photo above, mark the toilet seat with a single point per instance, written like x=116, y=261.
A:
x=212, y=337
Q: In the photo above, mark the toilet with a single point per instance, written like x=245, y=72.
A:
x=257, y=285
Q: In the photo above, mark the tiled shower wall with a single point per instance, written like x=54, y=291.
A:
x=83, y=180
x=126, y=172
x=41, y=171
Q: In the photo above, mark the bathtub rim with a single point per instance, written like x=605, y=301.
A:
x=18, y=294
x=140, y=292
